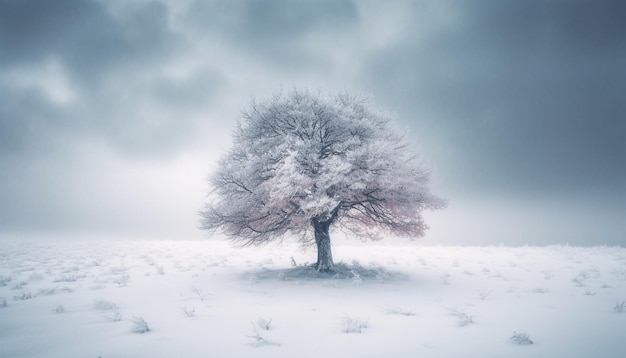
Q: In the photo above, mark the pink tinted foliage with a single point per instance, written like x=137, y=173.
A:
x=300, y=155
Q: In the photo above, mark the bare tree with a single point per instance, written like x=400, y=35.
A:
x=303, y=162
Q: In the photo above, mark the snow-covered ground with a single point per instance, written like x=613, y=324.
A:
x=207, y=299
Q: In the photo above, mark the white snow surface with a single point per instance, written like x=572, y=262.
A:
x=209, y=299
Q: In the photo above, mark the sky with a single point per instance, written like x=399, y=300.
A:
x=113, y=113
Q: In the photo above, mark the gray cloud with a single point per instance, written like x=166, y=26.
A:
x=526, y=93
x=112, y=66
x=19, y=132
x=84, y=35
x=516, y=104
x=272, y=21
x=276, y=32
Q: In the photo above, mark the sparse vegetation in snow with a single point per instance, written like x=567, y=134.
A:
x=297, y=303
x=19, y=285
x=67, y=278
x=4, y=280
x=199, y=292
x=53, y=291
x=352, y=324
x=264, y=323
x=189, y=312
x=121, y=281
x=463, y=318
x=521, y=338
x=160, y=270
x=115, y=316
x=59, y=309
x=139, y=325
x=23, y=297
x=258, y=339
x=400, y=311
x=103, y=305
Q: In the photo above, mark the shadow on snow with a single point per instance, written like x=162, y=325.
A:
x=343, y=272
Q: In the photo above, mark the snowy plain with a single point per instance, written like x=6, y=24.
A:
x=209, y=299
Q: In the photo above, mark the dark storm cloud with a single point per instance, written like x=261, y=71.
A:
x=112, y=61
x=516, y=104
x=84, y=35
x=77, y=76
x=527, y=95
x=275, y=31
x=21, y=132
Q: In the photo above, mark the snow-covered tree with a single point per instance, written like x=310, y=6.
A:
x=302, y=163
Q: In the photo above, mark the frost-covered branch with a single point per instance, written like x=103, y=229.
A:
x=301, y=158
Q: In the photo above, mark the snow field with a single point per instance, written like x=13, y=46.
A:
x=205, y=298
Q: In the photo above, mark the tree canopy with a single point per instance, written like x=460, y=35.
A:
x=302, y=163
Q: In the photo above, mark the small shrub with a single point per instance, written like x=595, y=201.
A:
x=115, y=317
x=53, y=290
x=352, y=325
x=23, y=297
x=3, y=302
x=19, y=285
x=589, y=293
x=264, y=323
x=620, y=306
x=122, y=281
x=46, y=291
x=199, y=292
x=160, y=270
x=258, y=339
x=464, y=318
x=67, y=278
x=189, y=312
x=139, y=325
x=579, y=280
x=4, y=280
x=103, y=305
x=521, y=339
x=59, y=309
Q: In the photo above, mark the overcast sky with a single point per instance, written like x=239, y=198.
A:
x=112, y=113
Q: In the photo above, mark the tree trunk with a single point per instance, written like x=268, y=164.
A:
x=322, y=239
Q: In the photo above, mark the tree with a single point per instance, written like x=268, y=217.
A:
x=304, y=163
